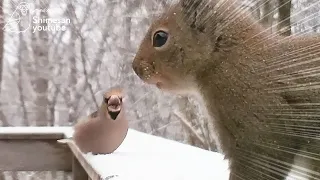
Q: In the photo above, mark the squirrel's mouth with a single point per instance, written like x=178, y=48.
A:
x=149, y=75
x=155, y=80
x=159, y=85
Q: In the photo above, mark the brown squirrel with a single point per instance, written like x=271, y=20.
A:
x=103, y=131
x=261, y=90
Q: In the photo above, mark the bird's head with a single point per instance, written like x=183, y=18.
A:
x=113, y=103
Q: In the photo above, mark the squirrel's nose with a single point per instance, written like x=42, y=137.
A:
x=137, y=68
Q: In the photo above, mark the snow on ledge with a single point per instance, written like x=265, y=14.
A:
x=143, y=157
x=66, y=130
x=34, y=130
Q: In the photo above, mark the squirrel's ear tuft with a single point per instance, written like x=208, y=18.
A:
x=194, y=12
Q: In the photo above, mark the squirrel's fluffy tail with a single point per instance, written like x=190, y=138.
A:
x=66, y=140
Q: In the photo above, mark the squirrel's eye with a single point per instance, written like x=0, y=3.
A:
x=160, y=38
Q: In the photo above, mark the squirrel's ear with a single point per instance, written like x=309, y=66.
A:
x=194, y=12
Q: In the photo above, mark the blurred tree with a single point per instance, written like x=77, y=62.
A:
x=39, y=80
x=72, y=77
x=267, y=14
x=192, y=123
x=284, y=25
x=20, y=82
x=2, y=116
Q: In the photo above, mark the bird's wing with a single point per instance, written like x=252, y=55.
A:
x=85, y=119
x=80, y=121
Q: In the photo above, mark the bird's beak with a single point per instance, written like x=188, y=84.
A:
x=114, y=103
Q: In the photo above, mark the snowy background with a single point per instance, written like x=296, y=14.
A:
x=52, y=78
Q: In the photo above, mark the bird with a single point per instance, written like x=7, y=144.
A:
x=104, y=130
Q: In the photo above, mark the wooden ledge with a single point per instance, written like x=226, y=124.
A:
x=33, y=149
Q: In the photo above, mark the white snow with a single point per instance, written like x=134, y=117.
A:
x=144, y=157
x=35, y=130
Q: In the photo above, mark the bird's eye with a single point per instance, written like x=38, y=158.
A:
x=160, y=38
x=106, y=100
x=120, y=99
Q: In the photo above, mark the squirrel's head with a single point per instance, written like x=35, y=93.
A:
x=169, y=54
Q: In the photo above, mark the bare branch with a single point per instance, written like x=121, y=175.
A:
x=83, y=60
x=163, y=127
x=21, y=97
x=2, y=116
x=188, y=126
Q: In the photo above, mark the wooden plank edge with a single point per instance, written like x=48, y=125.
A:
x=92, y=173
x=8, y=133
x=78, y=172
x=35, y=136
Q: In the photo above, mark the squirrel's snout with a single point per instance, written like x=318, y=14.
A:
x=140, y=67
x=145, y=69
x=136, y=69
